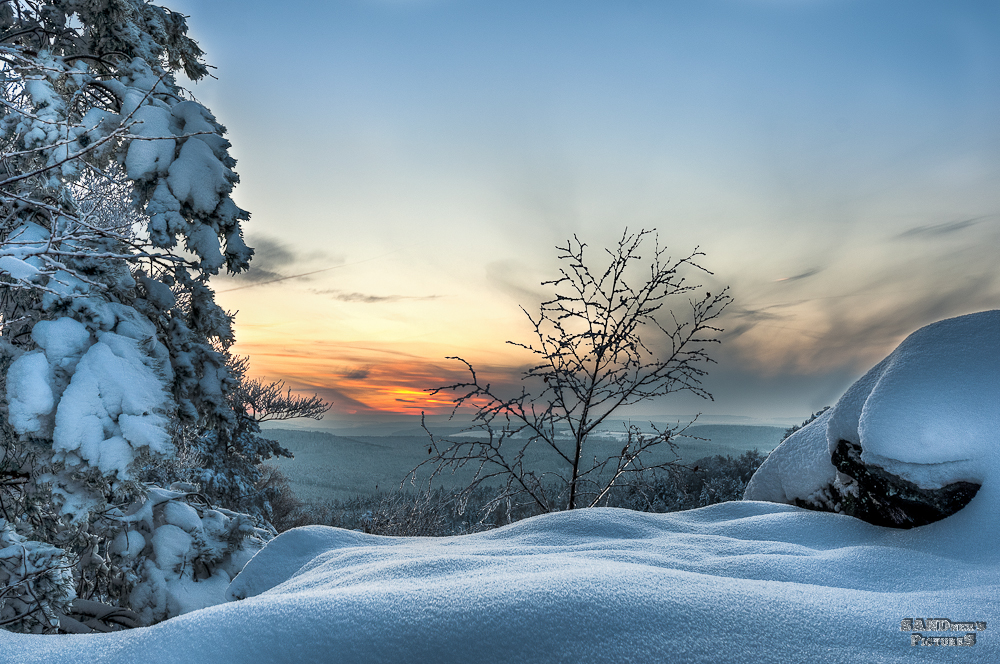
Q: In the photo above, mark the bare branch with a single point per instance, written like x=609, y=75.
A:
x=603, y=341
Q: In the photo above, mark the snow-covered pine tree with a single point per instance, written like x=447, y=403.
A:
x=111, y=342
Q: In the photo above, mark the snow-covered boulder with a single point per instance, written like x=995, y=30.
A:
x=798, y=469
x=909, y=442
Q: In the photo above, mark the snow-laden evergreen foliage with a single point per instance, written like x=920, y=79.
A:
x=183, y=551
x=112, y=349
x=35, y=582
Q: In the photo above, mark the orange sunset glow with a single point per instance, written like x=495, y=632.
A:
x=363, y=379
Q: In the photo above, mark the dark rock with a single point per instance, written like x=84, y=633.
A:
x=885, y=499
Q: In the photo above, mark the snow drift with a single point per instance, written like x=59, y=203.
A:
x=736, y=582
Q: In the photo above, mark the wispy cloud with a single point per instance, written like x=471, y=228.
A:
x=359, y=373
x=375, y=377
x=280, y=278
x=853, y=329
x=270, y=257
x=273, y=259
x=942, y=229
x=803, y=275
x=366, y=298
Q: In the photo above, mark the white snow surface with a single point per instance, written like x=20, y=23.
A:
x=796, y=468
x=929, y=412
x=735, y=582
x=100, y=394
x=109, y=410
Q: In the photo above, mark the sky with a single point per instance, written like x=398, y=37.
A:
x=411, y=165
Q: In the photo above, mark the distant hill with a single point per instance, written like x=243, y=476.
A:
x=328, y=466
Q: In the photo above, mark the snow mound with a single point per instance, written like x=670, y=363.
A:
x=929, y=413
x=735, y=582
x=797, y=468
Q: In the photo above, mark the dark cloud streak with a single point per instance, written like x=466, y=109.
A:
x=272, y=256
x=804, y=275
x=357, y=374
x=269, y=257
x=294, y=276
x=941, y=229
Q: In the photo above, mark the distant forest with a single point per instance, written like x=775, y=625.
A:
x=345, y=467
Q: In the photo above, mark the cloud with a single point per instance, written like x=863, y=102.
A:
x=371, y=377
x=272, y=258
x=946, y=228
x=852, y=330
x=344, y=296
x=738, y=320
x=889, y=320
x=357, y=374
x=804, y=275
x=269, y=257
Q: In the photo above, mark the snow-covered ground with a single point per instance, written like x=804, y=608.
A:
x=736, y=582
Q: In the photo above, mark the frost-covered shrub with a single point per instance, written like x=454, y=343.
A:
x=405, y=513
x=36, y=583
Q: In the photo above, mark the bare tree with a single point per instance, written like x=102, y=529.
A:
x=600, y=344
